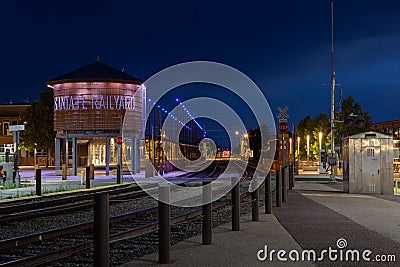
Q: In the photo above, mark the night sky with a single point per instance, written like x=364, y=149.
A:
x=283, y=45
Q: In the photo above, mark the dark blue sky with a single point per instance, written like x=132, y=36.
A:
x=284, y=46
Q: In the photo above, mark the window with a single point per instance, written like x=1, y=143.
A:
x=370, y=152
x=5, y=127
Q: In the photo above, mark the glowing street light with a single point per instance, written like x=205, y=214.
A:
x=320, y=140
x=298, y=146
x=308, y=146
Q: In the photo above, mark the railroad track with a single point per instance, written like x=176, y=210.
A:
x=248, y=168
x=44, y=206
x=210, y=171
x=64, y=204
x=77, y=238
x=64, y=242
x=38, y=202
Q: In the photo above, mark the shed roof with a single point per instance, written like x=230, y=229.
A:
x=95, y=72
x=368, y=135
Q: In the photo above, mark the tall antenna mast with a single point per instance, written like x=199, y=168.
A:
x=332, y=162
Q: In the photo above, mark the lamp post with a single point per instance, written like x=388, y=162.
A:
x=298, y=147
x=308, y=147
x=243, y=144
x=333, y=81
x=320, y=140
x=35, y=155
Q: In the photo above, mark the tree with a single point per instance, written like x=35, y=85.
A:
x=321, y=123
x=39, y=124
x=353, y=110
x=312, y=127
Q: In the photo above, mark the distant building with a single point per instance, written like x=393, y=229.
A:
x=10, y=114
x=391, y=128
x=89, y=106
x=388, y=127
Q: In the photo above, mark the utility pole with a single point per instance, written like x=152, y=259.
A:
x=333, y=156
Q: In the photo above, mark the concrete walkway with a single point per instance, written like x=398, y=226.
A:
x=232, y=248
x=316, y=217
x=379, y=215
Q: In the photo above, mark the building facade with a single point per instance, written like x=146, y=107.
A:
x=10, y=114
x=388, y=127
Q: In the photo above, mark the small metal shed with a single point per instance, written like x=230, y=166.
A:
x=368, y=163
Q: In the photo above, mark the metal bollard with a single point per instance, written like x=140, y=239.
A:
x=291, y=176
x=164, y=226
x=92, y=171
x=268, y=194
x=236, y=207
x=118, y=175
x=207, y=214
x=284, y=184
x=87, y=177
x=278, y=189
x=38, y=175
x=101, y=229
x=64, y=171
x=287, y=182
x=255, y=216
x=82, y=177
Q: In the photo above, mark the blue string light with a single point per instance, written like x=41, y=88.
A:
x=187, y=112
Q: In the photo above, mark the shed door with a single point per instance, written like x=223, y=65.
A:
x=371, y=166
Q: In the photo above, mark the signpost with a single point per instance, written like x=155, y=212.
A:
x=119, y=141
x=283, y=127
x=16, y=129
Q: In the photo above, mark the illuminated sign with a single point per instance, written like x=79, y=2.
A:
x=94, y=102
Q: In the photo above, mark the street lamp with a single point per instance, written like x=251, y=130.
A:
x=35, y=155
x=298, y=147
x=308, y=146
x=320, y=140
x=333, y=81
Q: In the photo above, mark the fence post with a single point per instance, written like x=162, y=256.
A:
x=236, y=205
x=278, y=188
x=63, y=171
x=207, y=214
x=164, y=225
x=291, y=176
x=255, y=214
x=82, y=177
x=284, y=184
x=38, y=175
x=92, y=171
x=87, y=177
x=118, y=174
x=268, y=194
x=101, y=229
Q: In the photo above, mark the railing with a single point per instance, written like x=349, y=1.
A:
x=3, y=158
x=101, y=213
